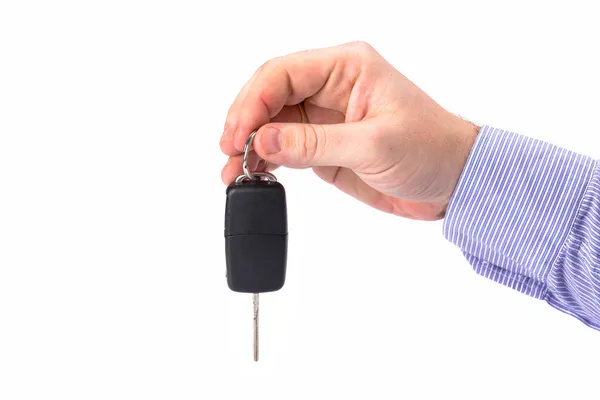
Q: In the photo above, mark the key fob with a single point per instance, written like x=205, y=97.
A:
x=256, y=236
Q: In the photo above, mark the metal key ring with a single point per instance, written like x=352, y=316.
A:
x=257, y=175
x=252, y=175
x=247, y=172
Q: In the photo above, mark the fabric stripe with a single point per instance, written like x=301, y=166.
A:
x=574, y=282
x=526, y=214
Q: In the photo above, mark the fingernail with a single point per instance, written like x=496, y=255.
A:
x=224, y=135
x=271, y=140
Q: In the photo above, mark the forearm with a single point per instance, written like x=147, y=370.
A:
x=527, y=214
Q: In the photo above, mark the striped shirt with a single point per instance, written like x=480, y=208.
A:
x=526, y=214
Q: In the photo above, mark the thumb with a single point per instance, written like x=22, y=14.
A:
x=306, y=145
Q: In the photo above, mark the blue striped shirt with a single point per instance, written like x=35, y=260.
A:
x=526, y=214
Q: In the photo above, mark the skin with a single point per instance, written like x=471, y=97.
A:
x=372, y=134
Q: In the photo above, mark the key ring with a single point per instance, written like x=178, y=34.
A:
x=258, y=175
x=247, y=172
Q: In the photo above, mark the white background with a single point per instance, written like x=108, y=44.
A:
x=112, y=268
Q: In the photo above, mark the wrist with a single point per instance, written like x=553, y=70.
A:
x=467, y=134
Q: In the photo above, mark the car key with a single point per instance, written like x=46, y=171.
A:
x=256, y=235
x=256, y=232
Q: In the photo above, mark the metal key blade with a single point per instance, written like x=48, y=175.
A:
x=255, y=301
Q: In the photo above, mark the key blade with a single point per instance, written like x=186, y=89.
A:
x=255, y=324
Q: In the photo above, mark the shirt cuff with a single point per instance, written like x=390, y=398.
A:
x=514, y=206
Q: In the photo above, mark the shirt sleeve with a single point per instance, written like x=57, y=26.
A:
x=526, y=214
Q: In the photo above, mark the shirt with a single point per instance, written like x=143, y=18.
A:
x=526, y=214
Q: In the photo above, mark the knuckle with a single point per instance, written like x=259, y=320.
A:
x=266, y=65
x=378, y=142
x=263, y=68
x=270, y=65
x=363, y=47
x=310, y=143
x=363, y=57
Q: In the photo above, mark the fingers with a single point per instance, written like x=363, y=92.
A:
x=289, y=80
x=349, y=183
x=315, y=114
x=233, y=168
x=308, y=145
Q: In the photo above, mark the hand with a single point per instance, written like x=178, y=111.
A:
x=372, y=133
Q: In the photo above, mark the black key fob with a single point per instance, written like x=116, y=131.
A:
x=256, y=234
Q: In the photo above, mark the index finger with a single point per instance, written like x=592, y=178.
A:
x=289, y=80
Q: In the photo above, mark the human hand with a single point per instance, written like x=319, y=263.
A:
x=372, y=132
